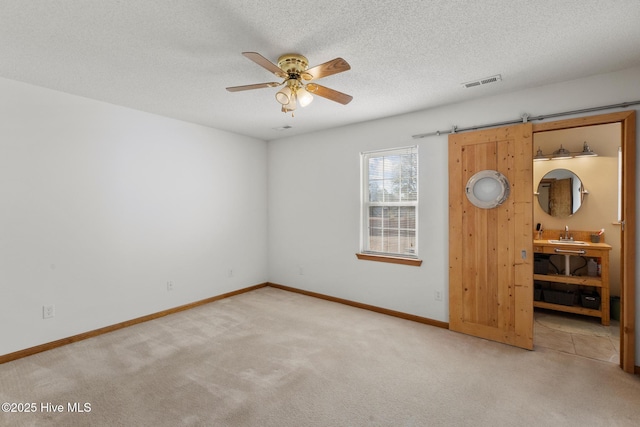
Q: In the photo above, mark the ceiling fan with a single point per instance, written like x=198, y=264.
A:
x=298, y=87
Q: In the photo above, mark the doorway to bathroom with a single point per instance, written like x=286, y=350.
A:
x=622, y=226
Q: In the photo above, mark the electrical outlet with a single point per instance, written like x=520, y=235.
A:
x=438, y=295
x=48, y=311
x=170, y=285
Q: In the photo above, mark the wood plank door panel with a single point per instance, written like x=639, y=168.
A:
x=491, y=250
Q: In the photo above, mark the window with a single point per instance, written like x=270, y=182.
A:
x=390, y=203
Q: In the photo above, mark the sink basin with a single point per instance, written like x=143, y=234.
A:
x=568, y=242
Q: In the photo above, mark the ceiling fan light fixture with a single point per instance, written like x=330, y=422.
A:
x=284, y=96
x=304, y=97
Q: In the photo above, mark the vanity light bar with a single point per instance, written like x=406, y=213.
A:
x=563, y=153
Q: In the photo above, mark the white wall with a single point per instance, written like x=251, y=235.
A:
x=102, y=205
x=314, y=194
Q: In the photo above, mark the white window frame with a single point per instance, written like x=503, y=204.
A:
x=366, y=203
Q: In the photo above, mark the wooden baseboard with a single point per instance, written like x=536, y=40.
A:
x=90, y=334
x=381, y=310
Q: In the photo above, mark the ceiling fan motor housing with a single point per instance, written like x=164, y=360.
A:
x=293, y=63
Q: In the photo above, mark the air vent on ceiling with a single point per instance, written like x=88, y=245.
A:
x=285, y=127
x=484, y=81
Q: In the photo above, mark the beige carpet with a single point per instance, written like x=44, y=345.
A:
x=275, y=358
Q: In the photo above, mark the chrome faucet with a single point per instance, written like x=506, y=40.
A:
x=566, y=234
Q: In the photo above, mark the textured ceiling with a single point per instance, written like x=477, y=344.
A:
x=175, y=58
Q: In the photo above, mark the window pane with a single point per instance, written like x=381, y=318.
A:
x=408, y=190
x=376, y=193
x=376, y=240
x=375, y=216
x=391, y=242
x=392, y=229
x=375, y=228
x=408, y=217
x=375, y=168
x=392, y=176
x=388, y=191
x=409, y=177
x=408, y=241
x=391, y=217
x=391, y=164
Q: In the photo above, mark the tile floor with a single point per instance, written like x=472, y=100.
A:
x=581, y=335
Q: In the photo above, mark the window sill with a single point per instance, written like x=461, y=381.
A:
x=391, y=259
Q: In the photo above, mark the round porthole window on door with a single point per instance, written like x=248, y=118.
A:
x=487, y=189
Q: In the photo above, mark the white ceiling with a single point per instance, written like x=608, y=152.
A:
x=175, y=58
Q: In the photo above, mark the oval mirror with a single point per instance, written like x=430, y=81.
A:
x=560, y=193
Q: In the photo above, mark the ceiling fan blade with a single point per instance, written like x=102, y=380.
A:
x=254, y=86
x=265, y=63
x=334, y=66
x=331, y=94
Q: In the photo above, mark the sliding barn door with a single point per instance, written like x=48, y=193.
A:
x=491, y=249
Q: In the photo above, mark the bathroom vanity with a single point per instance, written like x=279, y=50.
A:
x=575, y=284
